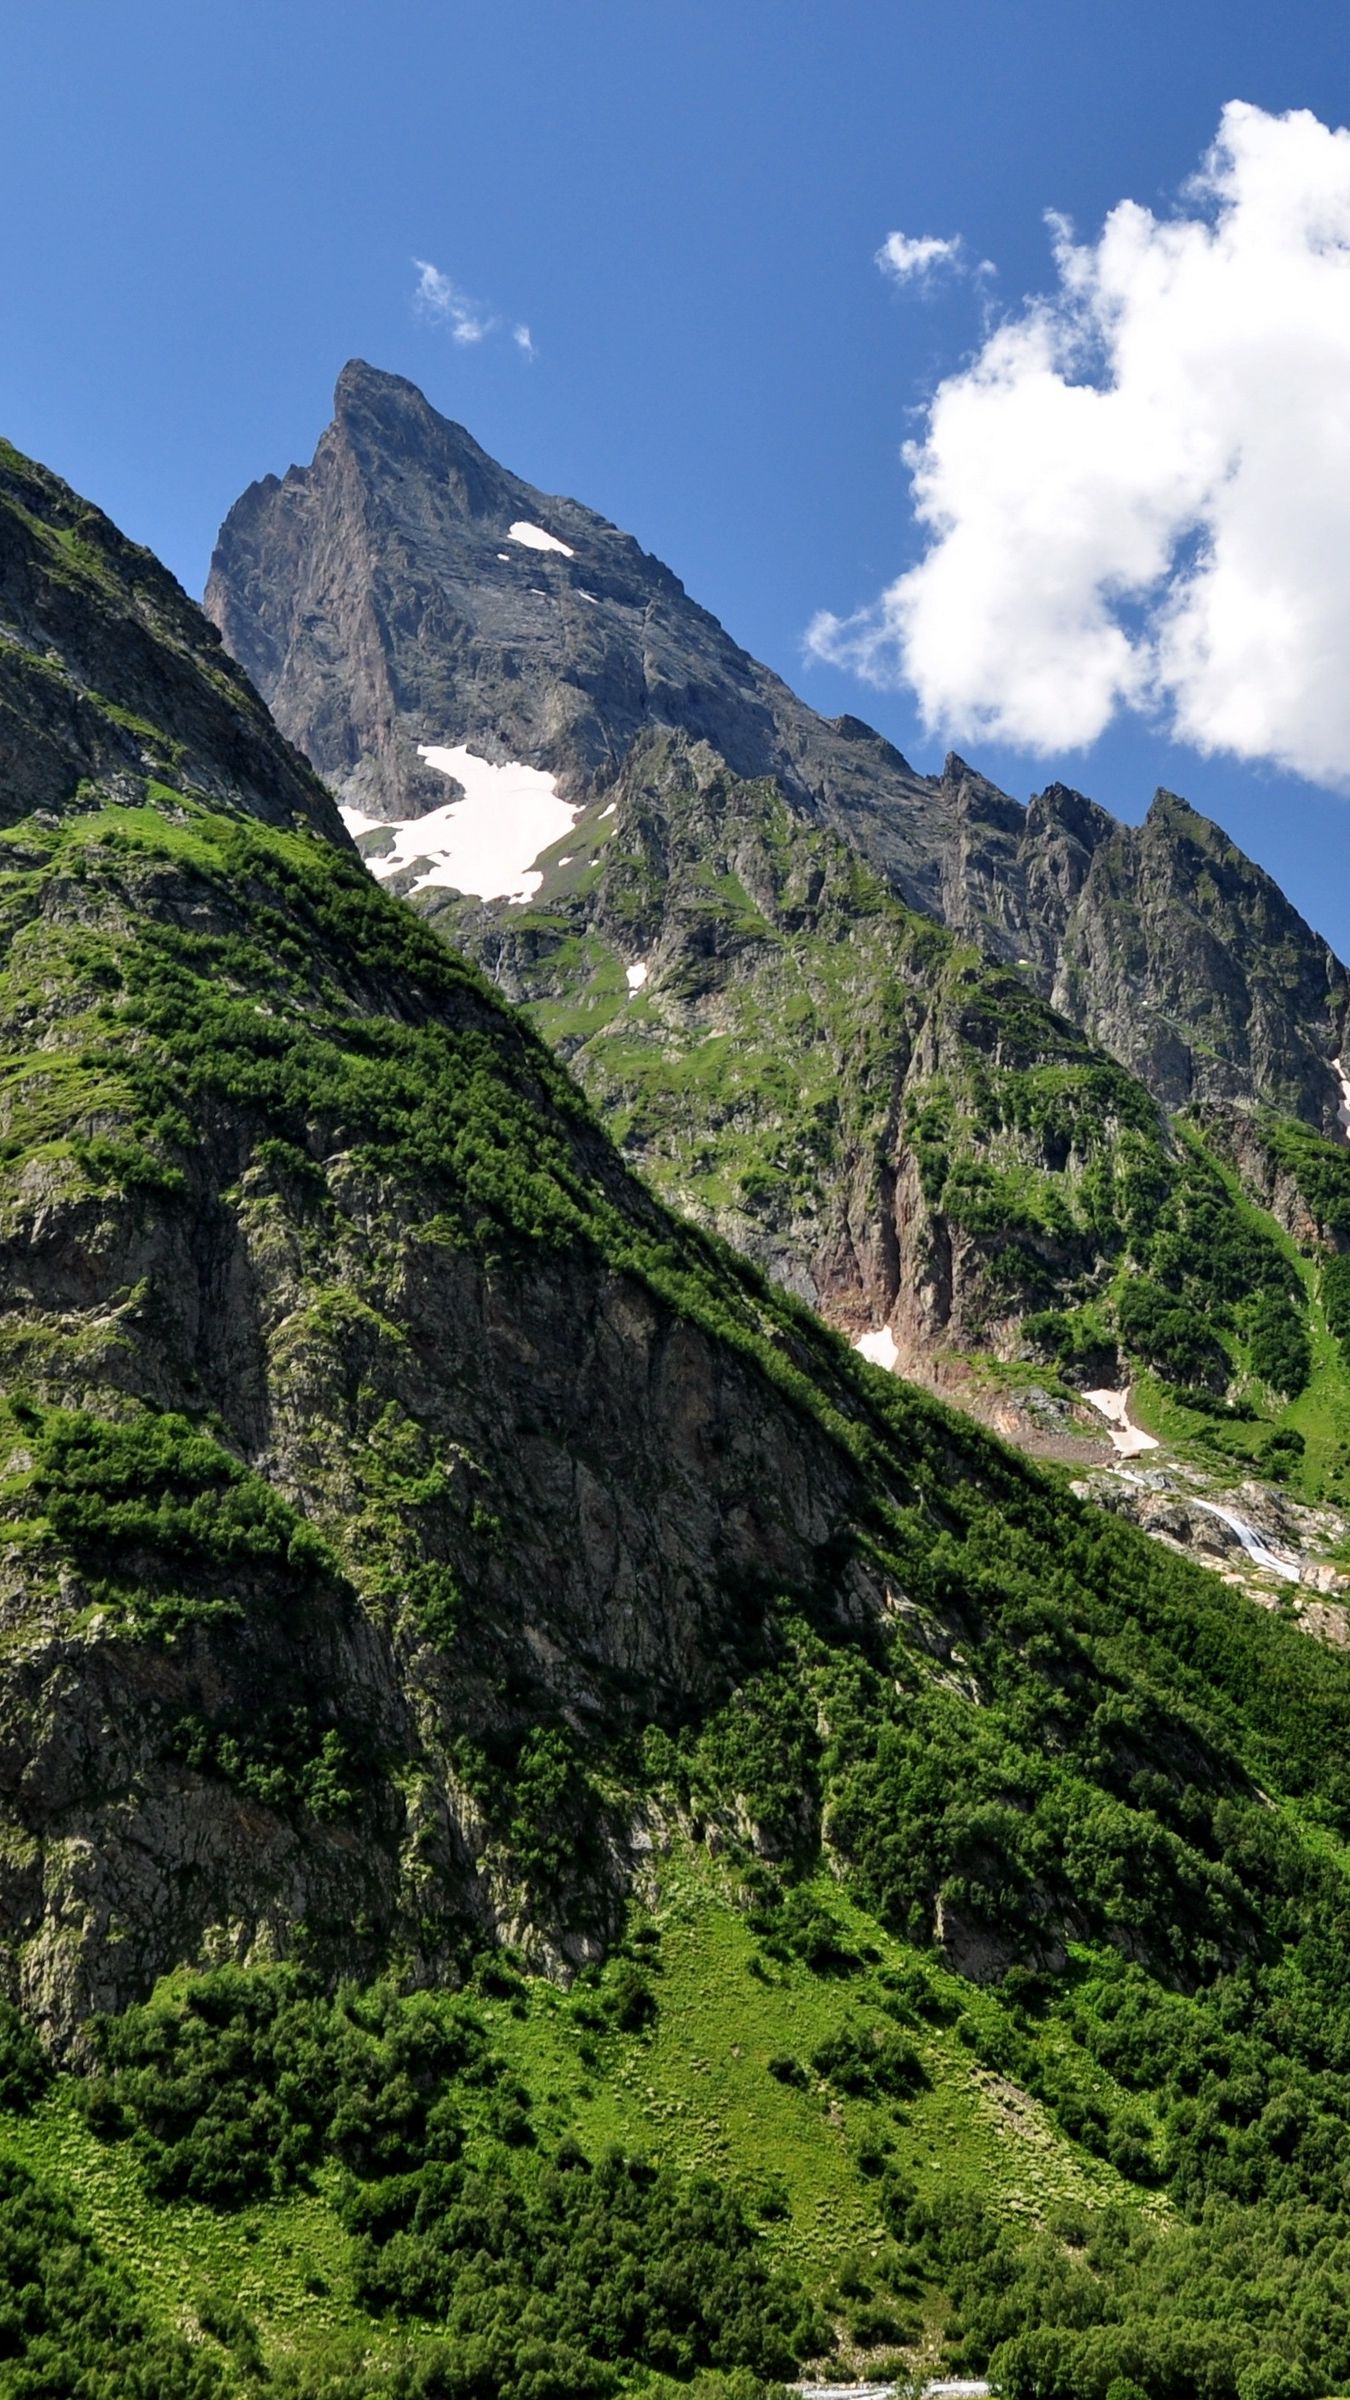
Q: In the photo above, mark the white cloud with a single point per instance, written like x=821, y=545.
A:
x=437, y=297
x=1137, y=495
x=912, y=257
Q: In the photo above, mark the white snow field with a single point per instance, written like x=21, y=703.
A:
x=879, y=1347
x=1127, y=1440
x=485, y=844
x=357, y=823
x=637, y=975
x=533, y=537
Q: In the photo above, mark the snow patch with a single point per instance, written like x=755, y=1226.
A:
x=1127, y=1440
x=533, y=537
x=879, y=1347
x=636, y=974
x=589, y=596
x=505, y=557
x=484, y=844
x=357, y=822
x=608, y=812
x=1343, y=1110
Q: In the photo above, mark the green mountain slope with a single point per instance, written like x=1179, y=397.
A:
x=900, y=1132
x=530, y=1771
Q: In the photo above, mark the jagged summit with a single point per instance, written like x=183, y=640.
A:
x=1171, y=806
x=405, y=594
x=384, y=416
x=405, y=591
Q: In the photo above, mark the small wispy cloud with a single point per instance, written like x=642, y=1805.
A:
x=524, y=341
x=443, y=301
x=913, y=257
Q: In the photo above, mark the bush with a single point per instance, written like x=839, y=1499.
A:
x=24, y=2069
x=1277, y=1337
x=1167, y=1333
x=870, y=2062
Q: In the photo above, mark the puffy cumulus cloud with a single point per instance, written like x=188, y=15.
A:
x=911, y=257
x=1138, y=493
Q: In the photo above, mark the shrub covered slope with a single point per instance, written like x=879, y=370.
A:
x=426, y=1564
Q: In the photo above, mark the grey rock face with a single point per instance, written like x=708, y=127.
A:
x=377, y=600
x=1179, y=956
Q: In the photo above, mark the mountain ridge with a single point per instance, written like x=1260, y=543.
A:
x=381, y=564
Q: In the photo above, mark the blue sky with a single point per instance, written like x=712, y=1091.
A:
x=208, y=210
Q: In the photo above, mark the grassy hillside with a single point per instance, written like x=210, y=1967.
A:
x=678, y=2053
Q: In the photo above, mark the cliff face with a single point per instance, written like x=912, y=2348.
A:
x=1179, y=956
x=382, y=603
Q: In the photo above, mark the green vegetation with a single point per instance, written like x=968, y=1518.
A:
x=71, y=2323
x=804, y=1046
x=156, y=1515
x=777, y=2118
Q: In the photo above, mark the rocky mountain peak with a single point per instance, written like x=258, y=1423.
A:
x=1059, y=809
x=405, y=595
x=405, y=592
x=392, y=430
x=1170, y=808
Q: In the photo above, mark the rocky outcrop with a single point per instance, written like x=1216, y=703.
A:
x=1181, y=957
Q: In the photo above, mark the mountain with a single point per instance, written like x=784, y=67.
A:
x=868, y=1027
x=405, y=591
x=559, y=1833
x=1172, y=950
x=406, y=594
